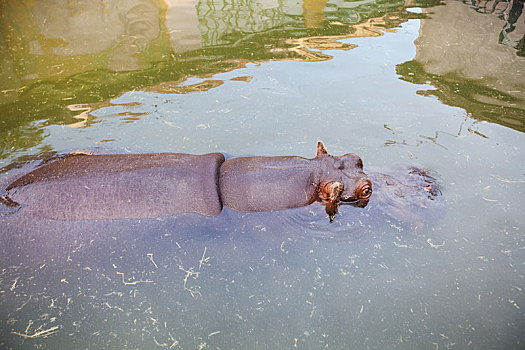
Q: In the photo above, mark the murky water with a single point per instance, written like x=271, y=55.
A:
x=401, y=84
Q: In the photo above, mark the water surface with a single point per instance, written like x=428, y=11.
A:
x=415, y=83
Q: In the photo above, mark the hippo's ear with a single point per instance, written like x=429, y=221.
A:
x=321, y=149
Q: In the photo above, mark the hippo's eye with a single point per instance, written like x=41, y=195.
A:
x=364, y=191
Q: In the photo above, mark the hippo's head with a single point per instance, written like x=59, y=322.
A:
x=342, y=181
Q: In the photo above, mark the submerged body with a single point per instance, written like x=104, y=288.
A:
x=407, y=194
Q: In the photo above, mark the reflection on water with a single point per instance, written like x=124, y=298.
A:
x=511, y=25
x=226, y=22
x=91, y=52
x=122, y=29
x=182, y=23
x=513, y=32
x=488, y=84
x=311, y=48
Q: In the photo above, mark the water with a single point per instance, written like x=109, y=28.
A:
x=381, y=79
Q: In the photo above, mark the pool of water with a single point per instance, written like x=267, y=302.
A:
x=413, y=83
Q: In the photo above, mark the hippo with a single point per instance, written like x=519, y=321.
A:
x=83, y=186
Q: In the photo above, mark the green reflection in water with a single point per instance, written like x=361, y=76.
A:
x=457, y=91
x=90, y=52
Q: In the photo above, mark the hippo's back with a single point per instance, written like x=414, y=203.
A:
x=121, y=186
